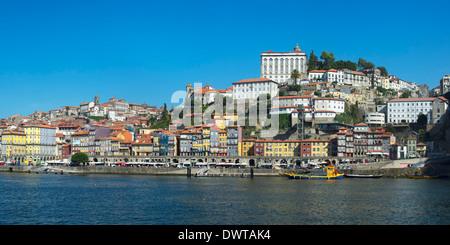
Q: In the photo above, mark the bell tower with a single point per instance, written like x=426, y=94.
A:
x=96, y=100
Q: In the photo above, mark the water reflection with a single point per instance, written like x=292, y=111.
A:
x=109, y=199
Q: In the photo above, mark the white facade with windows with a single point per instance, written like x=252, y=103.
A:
x=334, y=75
x=252, y=88
x=407, y=110
x=329, y=104
x=324, y=116
x=445, y=84
x=317, y=75
x=375, y=118
x=278, y=66
x=342, y=77
x=356, y=78
x=294, y=100
x=398, y=84
x=282, y=110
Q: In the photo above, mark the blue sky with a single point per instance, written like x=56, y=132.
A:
x=56, y=53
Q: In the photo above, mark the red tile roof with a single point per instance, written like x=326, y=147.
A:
x=412, y=99
x=254, y=80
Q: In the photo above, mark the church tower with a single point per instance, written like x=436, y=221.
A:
x=96, y=100
x=189, y=91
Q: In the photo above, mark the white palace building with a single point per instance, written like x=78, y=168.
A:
x=278, y=66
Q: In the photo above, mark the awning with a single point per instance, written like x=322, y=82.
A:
x=226, y=163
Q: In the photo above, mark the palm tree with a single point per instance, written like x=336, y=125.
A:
x=294, y=75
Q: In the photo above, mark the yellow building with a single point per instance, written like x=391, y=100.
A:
x=40, y=143
x=142, y=148
x=223, y=143
x=421, y=149
x=206, y=137
x=385, y=84
x=33, y=142
x=291, y=148
x=281, y=148
x=320, y=148
x=352, y=97
x=355, y=97
x=13, y=146
x=248, y=147
x=224, y=120
x=115, y=146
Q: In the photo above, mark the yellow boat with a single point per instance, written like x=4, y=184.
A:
x=331, y=173
x=421, y=177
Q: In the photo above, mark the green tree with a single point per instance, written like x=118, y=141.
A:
x=340, y=64
x=327, y=60
x=284, y=121
x=152, y=119
x=352, y=114
x=424, y=135
x=383, y=71
x=313, y=61
x=295, y=74
x=164, y=114
x=405, y=94
x=79, y=157
x=364, y=64
x=382, y=90
x=295, y=87
x=422, y=120
x=390, y=128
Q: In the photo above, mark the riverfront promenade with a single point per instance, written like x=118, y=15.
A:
x=398, y=168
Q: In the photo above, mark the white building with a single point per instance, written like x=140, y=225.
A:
x=375, y=119
x=86, y=107
x=317, y=75
x=342, y=77
x=283, y=109
x=356, y=78
x=208, y=94
x=407, y=110
x=294, y=100
x=394, y=84
x=324, y=115
x=398, y=84
x=334, y=75
x=329, y=104
x=252, y=88
x=278, y=66
x=115, y=116
x=445, y=84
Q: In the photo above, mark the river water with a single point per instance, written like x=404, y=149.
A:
x=55, y=199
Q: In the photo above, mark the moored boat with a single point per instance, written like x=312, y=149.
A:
x=422, y=177
x=329, y=173
x=363, y=175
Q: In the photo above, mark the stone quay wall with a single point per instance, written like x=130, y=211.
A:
x=387, y=172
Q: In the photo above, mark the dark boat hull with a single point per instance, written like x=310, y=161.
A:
x=363, y=176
